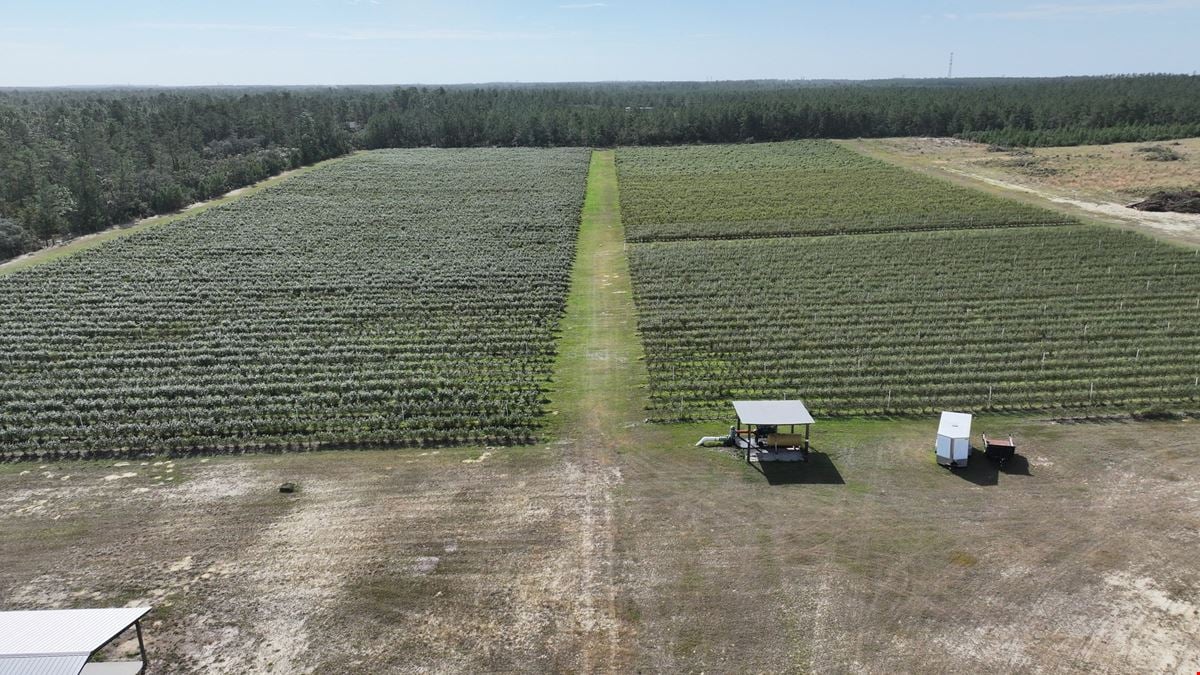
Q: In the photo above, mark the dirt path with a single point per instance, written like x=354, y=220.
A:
x=1181, y=224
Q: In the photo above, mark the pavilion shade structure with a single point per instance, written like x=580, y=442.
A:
x=777, y=413
x=759, y=426
x=61, y=641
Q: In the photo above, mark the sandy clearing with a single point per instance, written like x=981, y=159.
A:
x=1174, y=223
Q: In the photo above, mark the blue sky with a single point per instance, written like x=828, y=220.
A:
x=185, y=42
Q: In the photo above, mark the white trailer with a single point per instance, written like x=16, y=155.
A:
x=954, y=439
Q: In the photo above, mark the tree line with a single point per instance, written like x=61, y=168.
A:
x=75, y=161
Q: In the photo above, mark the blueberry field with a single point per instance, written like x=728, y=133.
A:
x=796, y=188
x=1028, y=319
x=1014, y=316
x=392, y=298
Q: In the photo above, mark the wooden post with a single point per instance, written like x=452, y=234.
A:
x=807, y=428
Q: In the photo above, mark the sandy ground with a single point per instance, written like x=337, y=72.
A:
x=381, y=562
x=1095, y=181
x=655, y=556
x=1182, y=224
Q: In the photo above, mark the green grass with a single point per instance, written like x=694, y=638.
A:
x=599, y=377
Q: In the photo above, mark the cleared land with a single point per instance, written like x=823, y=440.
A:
x=1096, y=182
x=797, y=188
x=1116, y=172
x=1012, y=318
x=870, y=559
x=374, y=301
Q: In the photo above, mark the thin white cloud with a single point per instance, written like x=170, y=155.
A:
x=428, y=34
x=1050, y=10
x=353, y=34
x=223, y=27
x=583, y=5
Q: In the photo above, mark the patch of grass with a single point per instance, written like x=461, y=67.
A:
x=963, y=559
x=1159, y=153
x=858, y=487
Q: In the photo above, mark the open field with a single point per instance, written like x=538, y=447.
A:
x=620, y=547
x=1005, y=318
x=373, y=301
x=876, y=560
x=796, y=188
x=1116, y=172
x=1096, y=182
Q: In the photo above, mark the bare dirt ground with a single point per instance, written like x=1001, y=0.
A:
x=382, y=561
x=654, y=556
x=1076, y=560
x=1097, y=181
x=620, y=547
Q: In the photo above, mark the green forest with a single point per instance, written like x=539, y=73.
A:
x=76, y=161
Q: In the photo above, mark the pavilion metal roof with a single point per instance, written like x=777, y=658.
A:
x=58, y=641
x=772, y=412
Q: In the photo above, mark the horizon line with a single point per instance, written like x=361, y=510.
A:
x=493, y=83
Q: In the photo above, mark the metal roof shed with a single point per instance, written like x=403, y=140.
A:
x=765, y=441
x=772, y=412
x=953, y=439
x=62, y=641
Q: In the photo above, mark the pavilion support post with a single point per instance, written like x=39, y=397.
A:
x=141, y=645
x=807, y=428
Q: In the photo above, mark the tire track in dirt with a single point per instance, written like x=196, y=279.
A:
x=297, y=572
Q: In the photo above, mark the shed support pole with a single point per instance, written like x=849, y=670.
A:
x=807, y=428
x=141, y=645
x=737, y=433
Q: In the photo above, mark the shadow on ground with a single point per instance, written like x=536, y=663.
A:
x=979, y=470
x=982, y=471
x=818, y=470
x=1017, y=466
